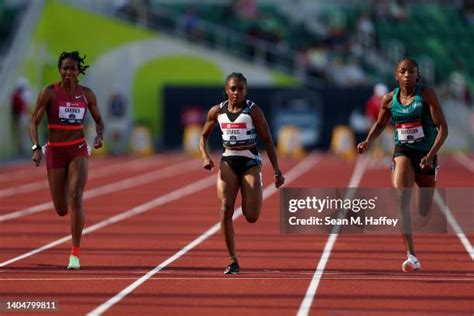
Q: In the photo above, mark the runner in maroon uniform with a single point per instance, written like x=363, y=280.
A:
x=66, y=103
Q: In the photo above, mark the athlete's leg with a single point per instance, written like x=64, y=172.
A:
x=227, y=188
x=57, y=186
x=426, y=188
x=251, y=189
x=77, y=177
x=403, y=179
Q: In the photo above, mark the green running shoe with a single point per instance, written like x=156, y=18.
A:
x=73, y=263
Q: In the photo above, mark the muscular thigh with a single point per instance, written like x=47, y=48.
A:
x=403, y=174
x=251, y=188
x=228, y=185
x=77, y=174
x=57, y=179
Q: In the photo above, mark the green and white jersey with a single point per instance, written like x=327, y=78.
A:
x=414, y=126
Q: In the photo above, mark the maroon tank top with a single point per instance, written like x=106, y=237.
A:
x=67, y=111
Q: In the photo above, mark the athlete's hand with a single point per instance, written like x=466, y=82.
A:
x=279, y=180
x=208, y=163
x=362, y=147
x=98, y=142
x=37, y=155
x=426, y=163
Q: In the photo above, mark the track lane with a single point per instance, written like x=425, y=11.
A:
x=365, y=256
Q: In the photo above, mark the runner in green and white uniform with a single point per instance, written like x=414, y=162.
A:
x=420, y=131
x=415, y=131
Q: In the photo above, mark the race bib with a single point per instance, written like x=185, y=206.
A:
x=71, y=113
x=411, y=132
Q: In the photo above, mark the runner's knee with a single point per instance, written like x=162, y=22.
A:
x=227, y=210
x=61, y=211
x=251, y=218
x=75, y=198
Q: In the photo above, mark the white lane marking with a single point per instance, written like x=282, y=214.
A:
x=174, y=195
x=464, y=160
x=305, y=306
x=454, y=224
x=197, y=278
x=101, y=171
x=112, y=187
x=295, y=172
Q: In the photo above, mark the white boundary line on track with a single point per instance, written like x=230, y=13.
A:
x=335, y=278
x=29, y=166
x=302, y=167
x=101, y=172
x=454, y=224
x=112, y=187
x=464, y=160
x=174, y=195
x=305, y=307
x=356, y=177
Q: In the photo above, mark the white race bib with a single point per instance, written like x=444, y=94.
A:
x=71, y=114
x=411, y=132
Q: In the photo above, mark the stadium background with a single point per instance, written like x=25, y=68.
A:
x=309, y=64
x=151, y=243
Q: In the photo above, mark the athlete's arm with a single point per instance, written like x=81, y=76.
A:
x=380, y=124
x=44, y=98
x=429, y=96
x=206, y=131
x=94, y=109
x=263, y=131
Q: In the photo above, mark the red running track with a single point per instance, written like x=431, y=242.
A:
x=362, y=275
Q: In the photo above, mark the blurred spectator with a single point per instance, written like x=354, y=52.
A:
x=468, y=11
x=458, y=87
x=134, y=10
x=318, y=58
x=190, y=25
x=399, y=10
x=246, y=9
x=350, y=74
x=20, y=101
x=372, y=106
x=118, y=123
x=365, y=31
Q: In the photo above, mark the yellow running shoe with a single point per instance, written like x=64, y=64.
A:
x=73, y=263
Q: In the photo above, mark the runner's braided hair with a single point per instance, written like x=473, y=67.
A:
x=75, y=56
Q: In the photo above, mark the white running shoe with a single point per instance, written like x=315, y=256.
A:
x=411, y=264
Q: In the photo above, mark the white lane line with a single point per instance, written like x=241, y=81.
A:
x=305, y=306
x=454, y=224
x=302, y=167
x=112, y=187
x=30, y=171
x=464, y=160
x=174, y=195
x=197, y=278
x=101, y=171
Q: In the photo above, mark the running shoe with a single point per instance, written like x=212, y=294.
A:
x=411, y=264
x=232, y=268
x=73, y=263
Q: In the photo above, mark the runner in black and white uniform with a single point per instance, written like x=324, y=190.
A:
x=239, y=138
x=240, y=121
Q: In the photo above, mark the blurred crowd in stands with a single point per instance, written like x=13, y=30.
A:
x=342, y=42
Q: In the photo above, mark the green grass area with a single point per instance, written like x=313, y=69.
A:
x=66, y=28
x=283, y=80
x=168, y=70
x=63, y=27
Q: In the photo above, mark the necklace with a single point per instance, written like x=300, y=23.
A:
x=408, y=96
